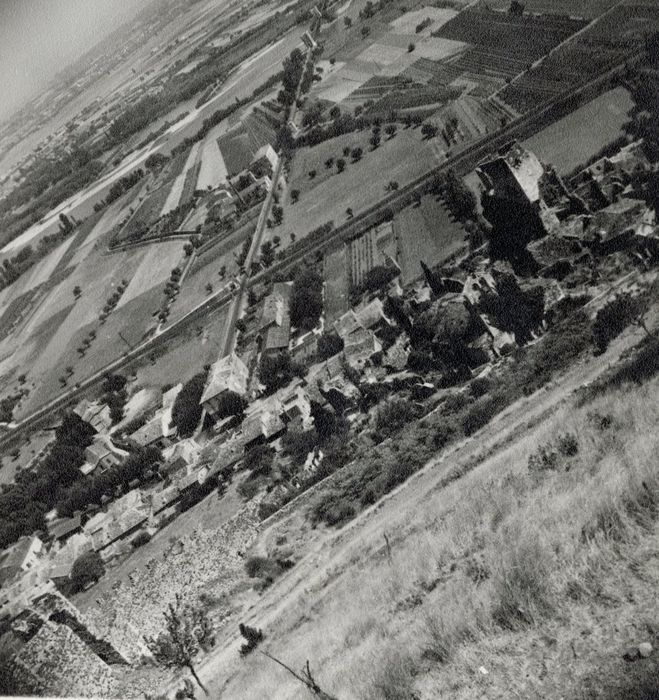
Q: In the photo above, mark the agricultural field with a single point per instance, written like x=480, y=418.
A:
x=326, y=197
x=426, y=232
x=205, y=270
x=604, y=43
x=213, y=171
x=182, y=357
x=156, y=262
x=573, y=140
x=337, y=288
x=177, y=169
x=588, y=9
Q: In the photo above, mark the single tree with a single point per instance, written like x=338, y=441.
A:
x=356, y=153
x=429, y=130
x=375, y=140
x=312, y=174
x=349, y=212
x=295, y=196
x=188, y=629
x=87, y=568
x=340, y=165
x=77, y=291
x=390, y=130
x=410, y=47
x=347, y=22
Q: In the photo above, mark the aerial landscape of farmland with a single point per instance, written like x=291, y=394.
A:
x=328, y=349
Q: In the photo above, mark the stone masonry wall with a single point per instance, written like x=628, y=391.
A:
x=56, y=662
x=206, y=560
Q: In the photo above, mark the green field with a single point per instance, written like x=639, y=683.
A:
x=426, y=232
x=361, y=185
x=573, y=140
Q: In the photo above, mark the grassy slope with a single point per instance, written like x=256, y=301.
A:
x=542, y=581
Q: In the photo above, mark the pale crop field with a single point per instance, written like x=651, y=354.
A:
x=156, y=262
x=213, y=170
x=408, y=22
x=573, y=140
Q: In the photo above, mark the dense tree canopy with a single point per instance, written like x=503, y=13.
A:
x=186, y=411
x=306, y=304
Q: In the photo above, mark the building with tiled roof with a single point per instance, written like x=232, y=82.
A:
x=228, y=374
x=20, y=557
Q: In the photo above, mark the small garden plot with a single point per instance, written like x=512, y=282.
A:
x=428, y=233
x=573, y=140
x=155, y=266
x=408, y=23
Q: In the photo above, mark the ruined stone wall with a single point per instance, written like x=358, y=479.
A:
x=56, y=662
x=205, y=560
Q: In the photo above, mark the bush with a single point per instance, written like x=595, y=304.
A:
x=248, y=488
x=87, y=568
x=612, y=319
x=394, y=415
x=141, y=539
x=521, y=583
x=329, y=344
x=331, y=508
x=482, y=412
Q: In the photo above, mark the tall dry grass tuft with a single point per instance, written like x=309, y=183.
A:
x=457, y=619
x=391, y=676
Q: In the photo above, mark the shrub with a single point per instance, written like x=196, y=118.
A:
x=141, y=539
x=393, y=415
x=248, y=488
x=521, y=583
x=87, y=568
x=612, y=319
x=253, y=636
x=482, y=412
x=331, y=508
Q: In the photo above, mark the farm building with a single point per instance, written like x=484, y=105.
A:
x=228, y=374
x=62, y=529
x=94, y=413
x=20, y=557
x=154, y=433
x=102, y=454
x=265, y=162
x=275, y=323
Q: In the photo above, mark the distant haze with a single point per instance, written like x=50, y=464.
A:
x=38, y=38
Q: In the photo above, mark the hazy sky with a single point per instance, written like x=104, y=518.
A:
x=40, y=37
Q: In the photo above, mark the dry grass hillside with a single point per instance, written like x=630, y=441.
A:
x=521, y=563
